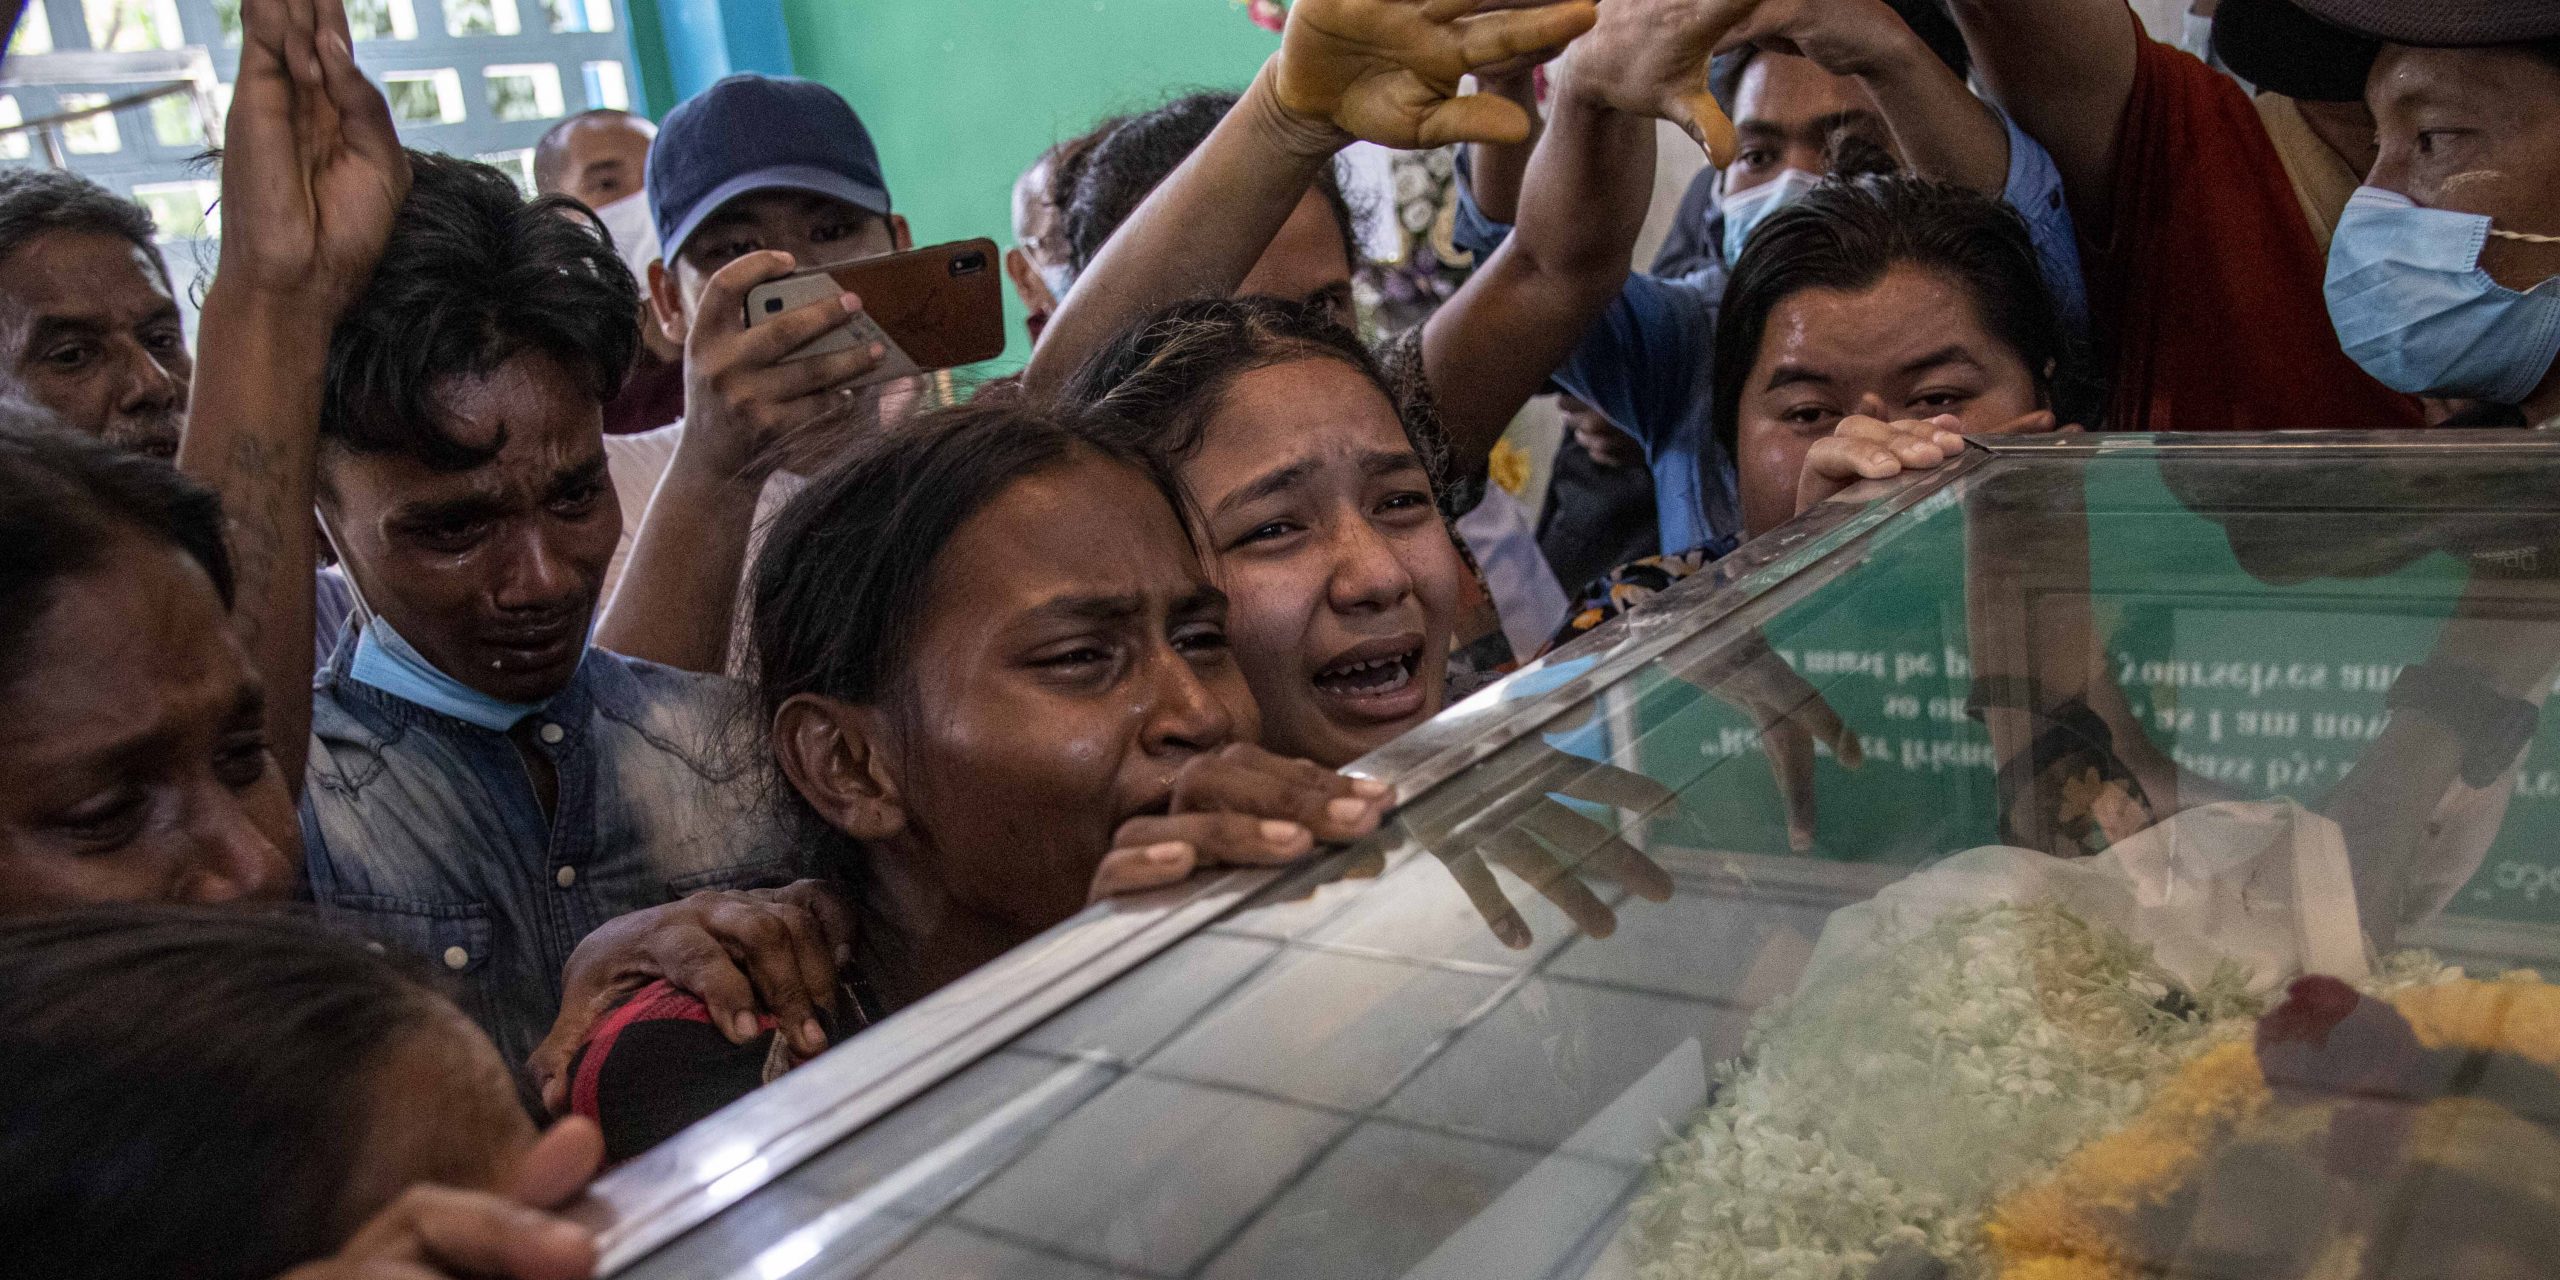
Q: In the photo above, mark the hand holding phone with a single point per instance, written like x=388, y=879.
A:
x=750, y=392
x=933, y=308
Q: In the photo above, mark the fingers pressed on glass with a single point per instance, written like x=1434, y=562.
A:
x=1476, y=880
x=1592, y=848
x=1535, y=864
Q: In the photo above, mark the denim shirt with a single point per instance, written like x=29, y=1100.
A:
x=1647, y=364
x=425, y=832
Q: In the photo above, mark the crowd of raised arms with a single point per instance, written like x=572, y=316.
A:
x=650, y=705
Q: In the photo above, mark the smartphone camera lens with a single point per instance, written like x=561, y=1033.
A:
x=968, y=264
x=772, y=305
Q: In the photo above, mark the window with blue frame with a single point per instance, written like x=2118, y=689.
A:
x=478, y=78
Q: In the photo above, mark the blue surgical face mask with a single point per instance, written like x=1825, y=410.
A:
x=1744, y=210
x=385, y=661
x=2412, y=305
x=1058, y=277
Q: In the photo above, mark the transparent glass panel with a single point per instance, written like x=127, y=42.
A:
x=579, y=15
x=90, y=135
x=1932, y=908
x=182, y=210
x=480, y=17
x=133, y=24
x=175, y=121
x=382, y=19
x=523, y=91
x=34, y=34
x=608, y=87
x=14, y=144
x=517, y=163
x=424, y=97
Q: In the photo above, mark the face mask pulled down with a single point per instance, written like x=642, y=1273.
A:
x=2413, y=307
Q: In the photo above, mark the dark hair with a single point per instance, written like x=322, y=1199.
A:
x=35, y=201
x=64, y=497
x=474, y=275
x=183, y=1090
x=1159, y=383
x=552, y=149
x=1847, y=235
x=1114, y=175
x=2548, y=51
x=1928, y=19
x=847, y=568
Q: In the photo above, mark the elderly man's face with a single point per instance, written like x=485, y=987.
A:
x=2477, y=131
x=89, y=331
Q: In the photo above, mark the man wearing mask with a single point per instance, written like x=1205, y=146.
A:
x=89, y=325
x=2205, y=213
x=1810, y=88
x=2444, y=273
x=751, y=180
x=597, y=158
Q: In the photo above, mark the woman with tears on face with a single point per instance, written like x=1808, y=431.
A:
x=996, y=685
x=1343, y=580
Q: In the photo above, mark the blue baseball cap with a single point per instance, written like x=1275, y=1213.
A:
x=752, y=133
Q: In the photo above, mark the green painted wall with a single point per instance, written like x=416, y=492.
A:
x=963, y=94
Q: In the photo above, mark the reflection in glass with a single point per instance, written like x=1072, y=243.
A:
x=91, y=135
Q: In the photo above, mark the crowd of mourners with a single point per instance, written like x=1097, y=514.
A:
x=635, y=705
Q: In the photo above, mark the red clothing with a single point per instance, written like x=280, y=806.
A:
x=651, y=397
x=2206, y=291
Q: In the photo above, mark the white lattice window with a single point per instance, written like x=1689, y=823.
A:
x=523, y=91
x=425, y=97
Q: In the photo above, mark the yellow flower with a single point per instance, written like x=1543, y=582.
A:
x=2065, y=1228
x=1510, y=467
x=2070, y=1226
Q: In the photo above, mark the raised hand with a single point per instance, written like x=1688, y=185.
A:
x=1239, y=806
x=1387, y=71
x=1649, y=58
x=312, y=171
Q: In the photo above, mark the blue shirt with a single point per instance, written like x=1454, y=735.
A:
x=1647, y=364
x=425, y=832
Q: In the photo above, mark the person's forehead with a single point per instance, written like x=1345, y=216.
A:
x=82, y=273
x=1871, y=332
x=1790, y=92
x=1091, y=527
x=2507, y=79
x=614, y=138
x=135, y=645
x=1316, y=412
x=552, y=426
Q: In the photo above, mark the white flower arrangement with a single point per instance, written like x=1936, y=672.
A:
x=1886, y=1111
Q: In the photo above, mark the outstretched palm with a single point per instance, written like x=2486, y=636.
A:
x=313, y=171
x=1387, y=71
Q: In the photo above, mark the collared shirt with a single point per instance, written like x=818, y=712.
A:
x=1648, y=364
x=426, y=833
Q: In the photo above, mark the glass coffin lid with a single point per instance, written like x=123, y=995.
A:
x=2103, y=857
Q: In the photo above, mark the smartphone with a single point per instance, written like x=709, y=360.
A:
x=933, y=308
